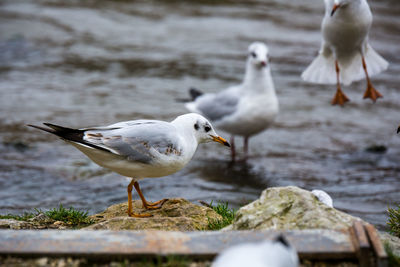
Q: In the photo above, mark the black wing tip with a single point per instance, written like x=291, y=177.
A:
x=398, y=130
x=69, y=134
x=282, y=239
x=49, y=130
x=195, y=93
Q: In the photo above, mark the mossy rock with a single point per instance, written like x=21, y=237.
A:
x=175, y=215
x=289, y=208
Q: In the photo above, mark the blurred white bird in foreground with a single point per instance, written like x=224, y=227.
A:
x=323, y=197
x=141, y=148
x=245, y=109
x=277, y=253
x=345, y=55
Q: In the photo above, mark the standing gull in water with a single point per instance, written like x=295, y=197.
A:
x=245, y=109
x=141, y=148
x=345, y=55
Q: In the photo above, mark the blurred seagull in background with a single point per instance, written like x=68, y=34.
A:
x=345, y=49
x=323, y=197
x=277, y=253
x=245, y=109
x=141, y=148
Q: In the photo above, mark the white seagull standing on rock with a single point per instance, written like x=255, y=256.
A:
x=245, y=109
x=141, y=148
x=345, y=55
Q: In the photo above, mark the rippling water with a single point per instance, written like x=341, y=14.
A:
x=86, y=63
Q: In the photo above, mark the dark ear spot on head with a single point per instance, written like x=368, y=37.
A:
x=196, y=126
x=281, y=239
x=253, y=54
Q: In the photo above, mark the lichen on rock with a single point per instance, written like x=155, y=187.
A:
x=175, y=215
x=289, y=208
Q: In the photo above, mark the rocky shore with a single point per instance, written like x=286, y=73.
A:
x=279, y=208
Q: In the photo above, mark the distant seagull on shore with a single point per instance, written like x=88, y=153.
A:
x=141, y=148
x=345, y=55
x=277, y=253
x=245, y=109
x=323, y=197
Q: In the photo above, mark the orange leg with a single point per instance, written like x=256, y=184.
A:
x=148, y=205
x=130, y=213
x=371, y=92
x=340, y=98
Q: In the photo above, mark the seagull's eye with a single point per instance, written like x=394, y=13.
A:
x=207, y=129
x=253, y=54
x=196, y=126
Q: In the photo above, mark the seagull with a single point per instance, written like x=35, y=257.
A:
x=323, y=197
x=277, y=253
x=141, y=148
x=245, y=109
x=345, y=49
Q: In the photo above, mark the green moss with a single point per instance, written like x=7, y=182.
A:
x=228, y=214
x=394, y=221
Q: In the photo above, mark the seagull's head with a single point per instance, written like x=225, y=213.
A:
x=201, y=128
x=340, y=4
x=258, y=55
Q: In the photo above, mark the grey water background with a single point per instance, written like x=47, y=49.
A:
x=86, y=63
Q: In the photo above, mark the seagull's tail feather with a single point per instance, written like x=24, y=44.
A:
x=321, y=70
x=353, y=70
x=195, y=93
x=375, y=63
x=69, y=134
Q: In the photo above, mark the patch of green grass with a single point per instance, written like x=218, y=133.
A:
x=70, y=216
x=394, y=221
x=228, y=214
x=24, y=217
x=393, y=260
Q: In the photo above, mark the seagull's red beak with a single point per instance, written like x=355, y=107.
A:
x=335, y=7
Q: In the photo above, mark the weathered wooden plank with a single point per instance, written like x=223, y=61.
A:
x=310, y=244
x=361, y=244
x=379, y=250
